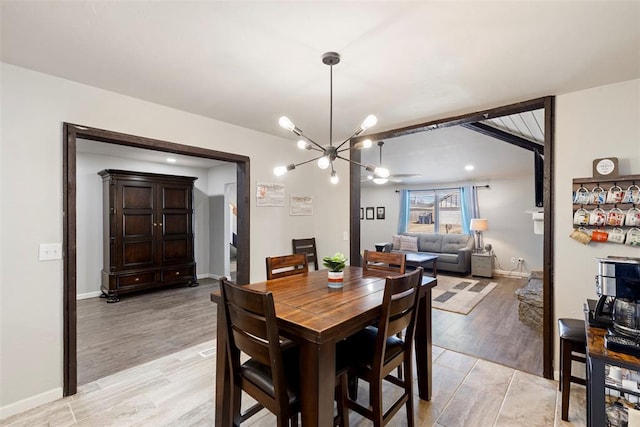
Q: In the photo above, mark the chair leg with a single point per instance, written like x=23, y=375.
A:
x=409, y=390
x=566, y=377
x=561, y=362
x=375, y=402
x=341, y=399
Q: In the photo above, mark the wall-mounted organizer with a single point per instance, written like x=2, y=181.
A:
x=608, y=209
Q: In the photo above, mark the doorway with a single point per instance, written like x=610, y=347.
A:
x=546, y=103
x=73, y=132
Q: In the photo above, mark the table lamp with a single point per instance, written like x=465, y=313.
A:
x=478, y=225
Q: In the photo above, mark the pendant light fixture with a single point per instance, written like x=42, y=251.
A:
x=380, y=179
x=331, y=152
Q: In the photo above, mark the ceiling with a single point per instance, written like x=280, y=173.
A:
x=248, y=63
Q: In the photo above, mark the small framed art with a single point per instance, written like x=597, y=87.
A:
x=361, y=213
x=370, y=213
x=380, y=212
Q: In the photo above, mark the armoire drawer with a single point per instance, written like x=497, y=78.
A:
x=136, y=279
x=177, y=274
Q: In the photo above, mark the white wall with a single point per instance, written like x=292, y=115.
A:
x=503, y=204
x=34, y=107
x=595, y=123
x=589, y=124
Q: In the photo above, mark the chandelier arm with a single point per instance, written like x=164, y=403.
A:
x=356, y=133
x=370, y=168
x=308, y=161
x=345, y=149
x=320, y=147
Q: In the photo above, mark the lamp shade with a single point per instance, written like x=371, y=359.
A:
x=479, y=224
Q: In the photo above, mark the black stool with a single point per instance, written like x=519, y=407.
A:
x=573, y=339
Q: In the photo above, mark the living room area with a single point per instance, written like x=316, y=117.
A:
x=431, y=204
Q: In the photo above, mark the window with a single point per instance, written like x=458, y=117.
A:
x=435, y=211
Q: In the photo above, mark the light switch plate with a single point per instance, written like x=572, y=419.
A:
x=50, y=251
x=345, y=235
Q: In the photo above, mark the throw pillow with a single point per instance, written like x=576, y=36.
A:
x=408, y=243
x=396, y=241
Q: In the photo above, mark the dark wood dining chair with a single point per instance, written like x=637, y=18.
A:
x=393, y=262
x=271, y=375
x=286, y=265
x=306, y=246
x=377, y=351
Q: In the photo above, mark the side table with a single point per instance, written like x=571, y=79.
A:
x=482, y=264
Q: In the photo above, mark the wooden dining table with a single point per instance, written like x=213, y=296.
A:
x=316, y=317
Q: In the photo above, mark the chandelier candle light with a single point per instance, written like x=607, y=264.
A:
x=331, y=152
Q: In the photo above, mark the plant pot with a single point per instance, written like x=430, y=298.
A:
x=335, y=279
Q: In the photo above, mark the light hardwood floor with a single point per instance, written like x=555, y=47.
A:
x=142, y=327
x=178, y=390
x=492, y=330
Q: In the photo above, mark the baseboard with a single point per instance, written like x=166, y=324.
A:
x=511, y=273
x=98, y=293
x=88, y=295
x=30, y=403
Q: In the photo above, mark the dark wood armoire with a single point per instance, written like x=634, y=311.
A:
x=148, y=231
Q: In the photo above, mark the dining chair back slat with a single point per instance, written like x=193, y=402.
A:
x=308, y=247
x=286, y=265
x=393, y=262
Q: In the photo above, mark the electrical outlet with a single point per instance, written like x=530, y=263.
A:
x=513, y=260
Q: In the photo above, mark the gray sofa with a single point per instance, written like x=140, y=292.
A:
x=453, y=250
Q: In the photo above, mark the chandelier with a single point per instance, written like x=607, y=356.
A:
x=331, y=152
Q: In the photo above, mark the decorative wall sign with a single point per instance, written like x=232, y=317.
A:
x=380, y=212
x=605, y=168
x=370, y=214
x=300, y=205
x=269, y=194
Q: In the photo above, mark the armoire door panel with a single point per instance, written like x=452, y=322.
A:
x=176, y=250
x=175, y=223
x=136, y=225
x=138, y=254
x=175, y=198
x=137, y=196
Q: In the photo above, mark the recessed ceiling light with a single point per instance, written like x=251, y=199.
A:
x=469, y=168
x=171, y=160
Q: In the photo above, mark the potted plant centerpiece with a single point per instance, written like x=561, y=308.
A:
x=335, y=263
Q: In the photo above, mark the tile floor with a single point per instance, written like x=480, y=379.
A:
x=178, y=390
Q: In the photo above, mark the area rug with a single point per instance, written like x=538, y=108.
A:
x=459, y=295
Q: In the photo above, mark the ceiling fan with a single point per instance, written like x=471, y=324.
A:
x=395, y=178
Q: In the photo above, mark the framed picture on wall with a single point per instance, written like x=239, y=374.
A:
x=370, y=213
x=361, y=213
x=380, y=212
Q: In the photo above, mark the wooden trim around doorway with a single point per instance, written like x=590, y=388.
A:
x=72, y=132
x=548, y=256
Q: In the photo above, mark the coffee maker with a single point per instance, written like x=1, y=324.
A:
x=618, y=285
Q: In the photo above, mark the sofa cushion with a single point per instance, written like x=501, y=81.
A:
x=408, y=243
x=395, y=239
x=452, y=243
x=430, y=243
x=447, y=258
